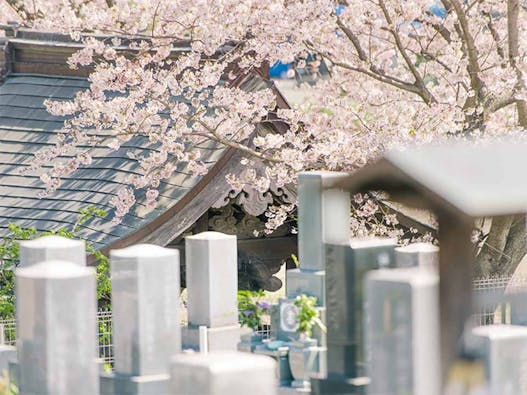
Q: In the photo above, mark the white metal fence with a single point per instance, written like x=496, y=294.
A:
x=104, y=321
x=489, y=291
x=491, y=313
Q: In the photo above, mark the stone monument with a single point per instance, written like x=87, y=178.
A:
x=146, y=324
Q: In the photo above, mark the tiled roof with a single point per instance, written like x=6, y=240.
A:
x=26, y=126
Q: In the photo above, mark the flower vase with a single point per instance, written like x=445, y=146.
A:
x=303, y=361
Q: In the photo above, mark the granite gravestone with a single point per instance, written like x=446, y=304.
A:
x=146, y=324
x=212, y=289
x=57, y=332
x=323, y=216
x=504, y=350
x=223, y=373
x=424, y=255
x=402, y=331
x=346, y=266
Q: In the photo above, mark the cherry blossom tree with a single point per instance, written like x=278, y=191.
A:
x=398, y=73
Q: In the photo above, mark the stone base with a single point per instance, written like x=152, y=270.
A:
x=281, y=355
x=119, y=384
x=223, y=338
x=307, y=282
x=339, y=386
x=13, y=369
x=285, y=390
x=7, y=354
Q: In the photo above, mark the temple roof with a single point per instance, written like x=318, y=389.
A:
x=26, y=127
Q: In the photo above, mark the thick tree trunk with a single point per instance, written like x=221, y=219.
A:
x=504, y=247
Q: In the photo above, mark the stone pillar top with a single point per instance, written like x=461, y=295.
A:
x=210, y=236
x=417, y=254
x=328, y=179
x=51, y=241
x=370, y=242
x=143, y=251
x=54, y=270
x=50, y=248
x=500, y=331
x=218, y=361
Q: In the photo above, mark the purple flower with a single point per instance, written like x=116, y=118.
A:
x=247, y=312
x=263, y=305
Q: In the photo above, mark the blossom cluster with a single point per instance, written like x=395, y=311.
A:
x=397, y=73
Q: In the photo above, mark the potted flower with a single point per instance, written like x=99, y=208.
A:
x=303, y=352
x=251, y=309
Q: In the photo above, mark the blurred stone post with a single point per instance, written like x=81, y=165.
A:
x=57, y=332
x=402, y=331
x=223, y=373
x=504, y=351
x=146, y=325
x=52, y=247
x=212, y=289
x=423, y=255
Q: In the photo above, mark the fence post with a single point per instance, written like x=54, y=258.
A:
x=212, y=285
x=52, y=248
x=146, y=326
x=203, y=339
x=223, y=373
x=57, y=338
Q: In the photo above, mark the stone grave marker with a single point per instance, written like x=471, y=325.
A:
x=402, y=331
x=223, y=373
x=504, y=350
x=347, y=263
x=424, y=255
x=212, y=289
x=57, y=332
x=146, y=325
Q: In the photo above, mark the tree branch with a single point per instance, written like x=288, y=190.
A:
x=373, y=72
x=513, y=10
x=354, y=40
x=472, y=54
x=495, y=35
x=419, y=83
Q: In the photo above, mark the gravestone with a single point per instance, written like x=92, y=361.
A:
x=223, y=373
x=347, y=263
x=402, y=331
x=323, y=216
x=52, y=248
x=212, y=289
x=57, y=331
x=146, y=325
x=424, y=255
x=504, y=350
x=7, y=354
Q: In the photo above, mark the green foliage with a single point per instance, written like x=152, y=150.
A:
x=6, y=387
x=295, y=260
x=251, y=308
x=10, y=257
x=308, y=315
